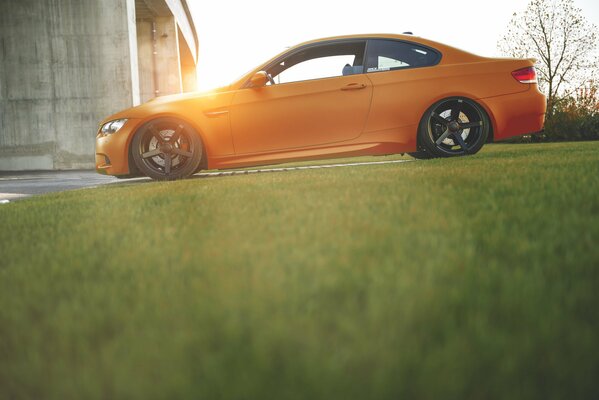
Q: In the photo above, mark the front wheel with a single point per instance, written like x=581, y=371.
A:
x=453, y=127
x=167, y=149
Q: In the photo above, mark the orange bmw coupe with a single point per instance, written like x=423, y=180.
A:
x=341, y=96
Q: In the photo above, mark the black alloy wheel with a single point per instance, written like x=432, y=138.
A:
x=167, y=149
x=453, y=127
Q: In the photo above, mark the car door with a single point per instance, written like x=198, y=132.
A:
x=319, y=96
x=403, y=82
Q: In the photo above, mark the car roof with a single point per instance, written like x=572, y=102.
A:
x=365, y=36
x=443, y=48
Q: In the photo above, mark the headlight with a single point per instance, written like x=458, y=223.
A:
x=112, y=126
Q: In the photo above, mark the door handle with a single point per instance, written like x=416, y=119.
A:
x=353, y=86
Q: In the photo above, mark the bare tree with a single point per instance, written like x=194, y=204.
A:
x=561, y=39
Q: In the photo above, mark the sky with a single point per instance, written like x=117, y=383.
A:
x=236, y=36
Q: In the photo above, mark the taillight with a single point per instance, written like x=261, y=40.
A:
x=525, y=75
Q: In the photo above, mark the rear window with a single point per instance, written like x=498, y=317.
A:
x=390, y=55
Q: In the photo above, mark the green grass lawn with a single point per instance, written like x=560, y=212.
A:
x=466, y=278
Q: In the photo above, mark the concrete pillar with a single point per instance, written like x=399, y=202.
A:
x=158, y=57
x=189, y=78
x=64, y=66
x=67, y=64
x=144, y=56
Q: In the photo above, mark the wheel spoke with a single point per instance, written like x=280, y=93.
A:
x=182, y=152
x=167, y=163
x=439, y=119
x=156, y=133
x=460, y=140
x=443, y=136
x=455, y=111
x=176, y=134
x=151, y=153
x=468, y=125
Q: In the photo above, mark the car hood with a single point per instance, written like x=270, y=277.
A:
x=153, y=106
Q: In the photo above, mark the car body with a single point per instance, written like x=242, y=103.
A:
x=359, y=95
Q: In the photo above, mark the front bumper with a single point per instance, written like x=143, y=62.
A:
x=112, y=151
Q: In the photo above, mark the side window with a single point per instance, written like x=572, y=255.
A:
x=386, y=63
x=324, y=61
x=389, y=55
x=316, y=68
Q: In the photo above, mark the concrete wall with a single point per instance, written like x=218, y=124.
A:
x=67, y=64
x=64, y=66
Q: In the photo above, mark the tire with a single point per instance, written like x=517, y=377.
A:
x=167, y=149
x=421, y=155
x=453, y=127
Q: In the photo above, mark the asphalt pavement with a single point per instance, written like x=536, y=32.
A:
x=19, y=185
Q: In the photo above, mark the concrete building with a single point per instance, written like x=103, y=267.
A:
x=67, y=64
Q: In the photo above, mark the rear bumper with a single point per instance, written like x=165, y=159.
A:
x=112, y=155
x=517, y=114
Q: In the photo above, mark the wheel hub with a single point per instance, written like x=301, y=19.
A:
x=453, y=126
x=166, y=148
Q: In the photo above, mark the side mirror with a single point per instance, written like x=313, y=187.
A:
x=259, y=79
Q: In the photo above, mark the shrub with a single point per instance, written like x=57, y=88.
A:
x=574, y=117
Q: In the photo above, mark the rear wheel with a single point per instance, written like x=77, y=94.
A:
x=167, y=149
x=453, y=127
x=421, y=155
